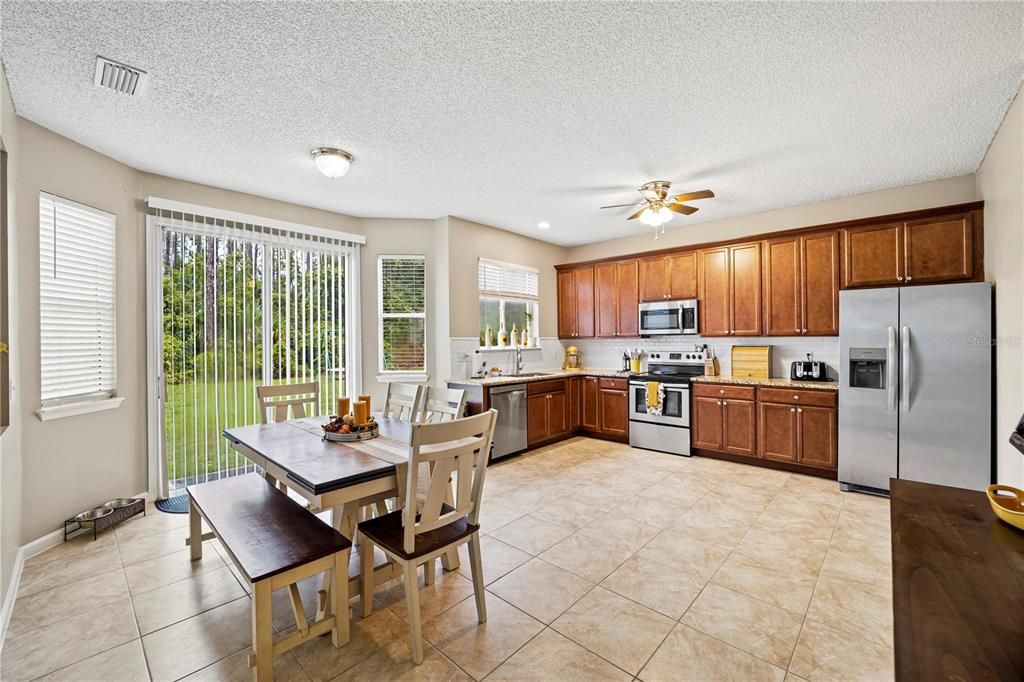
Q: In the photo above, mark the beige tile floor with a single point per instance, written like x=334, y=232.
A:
x=602, y=562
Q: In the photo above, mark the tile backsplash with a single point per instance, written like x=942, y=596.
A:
x=607, y=353
x=467, y=359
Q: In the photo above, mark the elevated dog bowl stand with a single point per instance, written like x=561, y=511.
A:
x=73, y=527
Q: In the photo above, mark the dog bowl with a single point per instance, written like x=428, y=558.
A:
x=93, y=514
x=121, y=502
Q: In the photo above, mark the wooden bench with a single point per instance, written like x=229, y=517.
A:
x=275, y=543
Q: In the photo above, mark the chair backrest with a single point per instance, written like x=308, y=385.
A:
x=403, y=401
x=279, y=397
x=442, y=404
x=460, y=448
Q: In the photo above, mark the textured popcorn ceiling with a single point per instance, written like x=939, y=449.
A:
x=513, y=113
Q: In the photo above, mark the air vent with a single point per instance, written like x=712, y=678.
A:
x=121, y=78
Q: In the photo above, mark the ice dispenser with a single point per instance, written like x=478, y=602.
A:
x=867, y=367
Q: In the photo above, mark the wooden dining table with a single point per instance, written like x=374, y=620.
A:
x=342, y=477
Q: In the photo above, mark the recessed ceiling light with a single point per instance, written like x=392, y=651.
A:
x=543, y=225
x=332, y=162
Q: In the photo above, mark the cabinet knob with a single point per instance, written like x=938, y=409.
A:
x=796, y=397
x=722, y=390
x=792, y=409
x=799, y=409
x=909, y=278
x=899, y=279
x=805, y=331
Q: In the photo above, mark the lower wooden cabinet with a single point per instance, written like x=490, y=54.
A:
x=613, y=407
x=574, y=387
x=547, y=411
x=590, y=418
x=556, y=408
x=797, y=426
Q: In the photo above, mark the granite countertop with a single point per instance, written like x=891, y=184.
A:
x=775, y=382
x=540, y=375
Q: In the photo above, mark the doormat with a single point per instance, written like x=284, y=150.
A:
x=174, y=505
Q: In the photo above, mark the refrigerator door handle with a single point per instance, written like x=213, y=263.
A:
x=905, y=379
x=890, y=392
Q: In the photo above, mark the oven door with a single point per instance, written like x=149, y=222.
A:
x=675, y=408
x=660, y=318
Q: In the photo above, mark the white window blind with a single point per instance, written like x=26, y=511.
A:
x=76, y=300
x=402, y=298
x=504, y=280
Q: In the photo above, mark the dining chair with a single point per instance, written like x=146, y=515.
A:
x=280, y=397
x=422, y=531
x=442, y=404
x=403, y=401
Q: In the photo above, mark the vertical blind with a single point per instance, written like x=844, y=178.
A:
x=76, y=301
x=504, y=280
x=402, y=313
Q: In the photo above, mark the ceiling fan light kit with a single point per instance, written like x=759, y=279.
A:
x=657, y=208
x=332, y=162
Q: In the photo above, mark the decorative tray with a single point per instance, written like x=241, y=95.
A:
x=367, y=434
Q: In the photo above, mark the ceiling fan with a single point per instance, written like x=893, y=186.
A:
x=657, y=207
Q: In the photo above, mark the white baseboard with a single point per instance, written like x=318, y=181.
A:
x=26, y=552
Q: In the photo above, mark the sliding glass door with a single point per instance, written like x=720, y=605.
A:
x=239, y=306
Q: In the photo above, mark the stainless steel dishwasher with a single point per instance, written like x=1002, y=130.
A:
x=510, y=431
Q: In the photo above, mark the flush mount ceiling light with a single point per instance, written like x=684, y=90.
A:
x=332, y=162
x=542, y=225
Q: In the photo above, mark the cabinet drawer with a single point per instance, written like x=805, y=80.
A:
x=614, y=384
x=722, y=391
x=799, y=397
x=549, y=386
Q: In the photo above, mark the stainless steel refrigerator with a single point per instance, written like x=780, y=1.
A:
x=915, y=392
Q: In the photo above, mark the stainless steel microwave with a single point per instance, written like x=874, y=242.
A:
x=668, y=317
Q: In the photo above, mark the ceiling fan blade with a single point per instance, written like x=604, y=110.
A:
x=703, y=194
x=637, y=214
x=621, y=205
x=683, y=208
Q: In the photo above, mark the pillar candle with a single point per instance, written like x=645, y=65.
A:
x=366, y=399
x=343, y=406
x=362, y=411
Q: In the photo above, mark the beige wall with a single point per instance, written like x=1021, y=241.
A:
x=468, y=242
x=1000, y=182
x=925, y=195
x=10, y=441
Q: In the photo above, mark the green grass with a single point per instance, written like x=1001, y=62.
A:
x=197, y=414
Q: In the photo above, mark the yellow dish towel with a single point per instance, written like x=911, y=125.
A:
x=654, y=396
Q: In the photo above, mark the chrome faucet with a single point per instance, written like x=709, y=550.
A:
x=519, y=359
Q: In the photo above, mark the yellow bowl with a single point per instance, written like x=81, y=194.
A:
x=1009, y=508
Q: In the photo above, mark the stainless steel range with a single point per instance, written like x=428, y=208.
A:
x=668, y=431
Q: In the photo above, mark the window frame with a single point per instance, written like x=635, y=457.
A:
x=503, y=297
x=385, y=375
x=107, y=398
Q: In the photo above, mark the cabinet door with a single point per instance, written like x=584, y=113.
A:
x=738, y=432
x=628, y=298
x=777, y=432
x=574, y=387
x=536, y=418
x=714, y=292
x=782, y=287
x=820, y=286
x=654, y=279
x=818, y=436
x=584, y=301
x=706, y=429
x=558, y=414
x=605, y=299
x=682, y=269
x=745, y=290
x=590, y=418
x=939, y=249
x=873, y=255
x=614, y=412
x=566, y=304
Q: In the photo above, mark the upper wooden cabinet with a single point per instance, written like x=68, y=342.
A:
x=923, y=251
x=730, y=291
x=801, y=285
x=616, y=298
x=576, y=302
x=670, y=277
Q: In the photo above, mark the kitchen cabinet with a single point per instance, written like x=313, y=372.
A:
x=706, y=426
x=778, y=432
x=590, y=419
x=547, y=410
x=730, y=290
x=613, y=407
x=616, y=298
x=576, y=302
x=724, y=418
x=575, y=397
x=801, y=285
x=669, y=277
x=922, y=251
